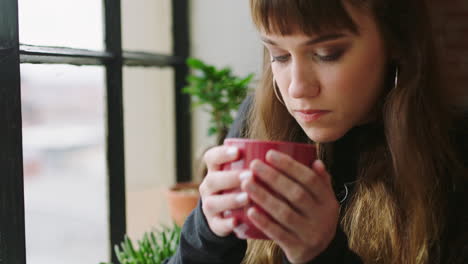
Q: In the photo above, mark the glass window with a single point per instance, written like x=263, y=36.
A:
x=62, y=23
x=65, y=177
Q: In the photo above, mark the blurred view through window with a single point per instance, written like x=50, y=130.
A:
x=62, y=23
x=63, y=111
x=64, y=130
x=64, y=164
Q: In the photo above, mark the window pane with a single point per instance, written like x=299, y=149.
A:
x=147, y=25
x=63, y=23
x=65, y=176
x=149, y=146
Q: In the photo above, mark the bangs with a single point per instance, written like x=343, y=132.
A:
x=284, y=17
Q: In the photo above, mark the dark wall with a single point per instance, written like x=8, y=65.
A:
x=451, y=25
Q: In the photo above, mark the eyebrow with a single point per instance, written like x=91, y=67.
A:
x=310, y=42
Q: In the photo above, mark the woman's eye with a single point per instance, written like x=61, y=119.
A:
x=283, y=58
x=331, y=57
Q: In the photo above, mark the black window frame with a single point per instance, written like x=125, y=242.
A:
x=12, y=54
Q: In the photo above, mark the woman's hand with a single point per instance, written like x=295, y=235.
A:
x=305, y=207
x=214, y=202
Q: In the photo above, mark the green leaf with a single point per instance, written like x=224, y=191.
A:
x=188, y=90
x=153, y=248
x=195, y=63
x=216, y=90
x=223, y=73
x=246, y=80
x=212, y=130
x=194, y=79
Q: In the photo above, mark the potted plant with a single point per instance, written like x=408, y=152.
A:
x=153, y=248
x=182, y=198
x=220, y=93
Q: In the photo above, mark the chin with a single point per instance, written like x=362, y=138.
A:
x=324, y=135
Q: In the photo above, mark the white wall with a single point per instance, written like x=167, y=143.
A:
x=149, y=115
x=222, y=34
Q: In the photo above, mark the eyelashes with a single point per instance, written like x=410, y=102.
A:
x=330, y=57
x=281, y=59
x=335, y=56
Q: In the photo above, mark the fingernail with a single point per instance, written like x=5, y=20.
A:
x=257, y=166
x=251, y=211
x=241, y=198
x=240, y=231
x=320, y=164
x=245, y=175
x=273, y=155
x=232, y=151
x=227, y=213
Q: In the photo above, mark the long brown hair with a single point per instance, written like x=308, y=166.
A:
x=405, y=179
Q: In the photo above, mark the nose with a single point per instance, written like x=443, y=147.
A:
x=304, y=82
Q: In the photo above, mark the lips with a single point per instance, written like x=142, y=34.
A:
x=310, y=115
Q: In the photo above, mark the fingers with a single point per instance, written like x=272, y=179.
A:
x=216, y=204
x=319, y=167
x=294, y=193
x=217, y=156
x=217, y=181
x=271, y=229
x=213, y=207
x=222, y=226
x=316, y=184
x=279, y=210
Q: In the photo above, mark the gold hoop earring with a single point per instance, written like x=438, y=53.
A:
x=275, y=89
x=395, y=85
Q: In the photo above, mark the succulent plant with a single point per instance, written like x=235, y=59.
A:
x=153, y=248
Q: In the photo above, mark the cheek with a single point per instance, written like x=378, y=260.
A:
x=357, y=83
x=282, y=78
x=341, y=80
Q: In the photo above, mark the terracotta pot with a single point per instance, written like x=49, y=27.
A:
x=182, y=199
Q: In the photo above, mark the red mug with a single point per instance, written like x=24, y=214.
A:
x=251, y=149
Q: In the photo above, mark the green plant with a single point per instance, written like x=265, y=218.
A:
x=219, y=90
x=155, y=247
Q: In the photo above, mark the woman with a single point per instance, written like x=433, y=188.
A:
x=360, y=79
